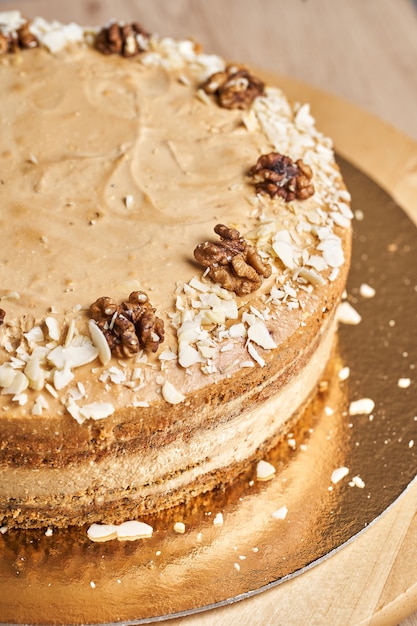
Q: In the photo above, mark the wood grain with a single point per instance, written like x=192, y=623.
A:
x=364, y=55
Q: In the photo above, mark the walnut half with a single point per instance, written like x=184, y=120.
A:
x=232, y=262
x=278, y=175
x=18, y=39
x=127, y=40
x=129, y=326
x=235, y=88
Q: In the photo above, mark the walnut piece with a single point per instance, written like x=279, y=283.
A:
x=235, y=88
x=2, y=316
x=232, y=262
x=278, y=175
x=21, y=38
x=127, y=40
x=128, y=326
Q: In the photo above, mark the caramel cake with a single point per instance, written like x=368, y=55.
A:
x=175, y=240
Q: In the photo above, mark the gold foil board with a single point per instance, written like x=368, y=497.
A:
x=66, y=579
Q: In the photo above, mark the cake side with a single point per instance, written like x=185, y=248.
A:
x=108, y=188
x=171, y=469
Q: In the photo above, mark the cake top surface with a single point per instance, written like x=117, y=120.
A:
x=113, y=171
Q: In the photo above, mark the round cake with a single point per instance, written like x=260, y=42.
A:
x=175, y=242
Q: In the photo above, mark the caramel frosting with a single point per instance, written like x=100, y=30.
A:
x=112, y=171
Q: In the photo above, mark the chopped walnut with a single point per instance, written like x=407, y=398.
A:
x=278, y=175
x=235, y=88
x=2, y=316
x=21, y=38
x=127, y=40
x=232, y=262
x=128, y=326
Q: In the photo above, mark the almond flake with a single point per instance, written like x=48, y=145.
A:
x=338, y=474
x=237, y=330
x=102, y=532
x=285, y=252
x=100, y=342
x=62, y=378
x=18, y=385
x=364, y=406
x=53, y=328
x=357, y=482
x=96, y=410
x=171, y=394
x=6, y=375
x=133, y=530
x=34, y=335
x=264, y=471
x=73, y=355
x=280, y=513
x=259, y=333
x=187, y=355
x=311, y=276
x=254, y=354
x=218, y=519
x=39, y=405
x=179, y=527
x=347, y=314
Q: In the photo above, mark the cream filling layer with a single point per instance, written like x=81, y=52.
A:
x=176, y=465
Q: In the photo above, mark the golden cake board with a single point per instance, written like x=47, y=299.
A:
x=372, y=580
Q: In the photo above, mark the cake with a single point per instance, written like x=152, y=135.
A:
x=175, y=242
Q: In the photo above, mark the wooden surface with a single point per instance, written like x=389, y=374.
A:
x=363, y=55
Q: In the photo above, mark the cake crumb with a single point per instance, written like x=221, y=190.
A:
x=364, y=406
x=367, y=291
x=344, y=373
x=92, y=584
x=357, y=482
x=403, y=383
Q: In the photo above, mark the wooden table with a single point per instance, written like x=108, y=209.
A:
x=355, y=62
